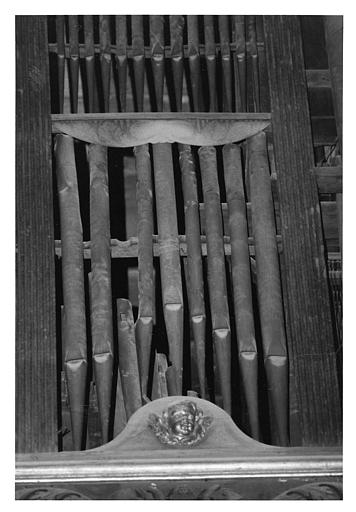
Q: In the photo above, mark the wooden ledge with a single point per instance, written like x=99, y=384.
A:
x=136, y=454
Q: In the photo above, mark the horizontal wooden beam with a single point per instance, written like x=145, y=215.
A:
x=96, y=467
x=129, y=248
x=323, y=127
x=167, y=116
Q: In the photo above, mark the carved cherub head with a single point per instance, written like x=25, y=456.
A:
x=182, y=424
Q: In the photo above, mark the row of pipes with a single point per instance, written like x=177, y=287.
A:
x=134, y=339
x=229, y=64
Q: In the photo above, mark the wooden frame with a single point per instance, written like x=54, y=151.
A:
x=35, y=271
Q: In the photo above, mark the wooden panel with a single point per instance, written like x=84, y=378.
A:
x=36, y=395
x=329, y=179
x=323, y=130
x=318, y=78
x=315, y=417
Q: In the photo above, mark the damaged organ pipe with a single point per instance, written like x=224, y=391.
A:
x=169, y=255
x=100, y=283
x=159, y=384
x=120, y=417
x=74, y=323
x=144, y=323
x=195, y=282
x=128, y=364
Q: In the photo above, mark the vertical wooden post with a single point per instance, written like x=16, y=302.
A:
x=315, y=417
x=36, y=380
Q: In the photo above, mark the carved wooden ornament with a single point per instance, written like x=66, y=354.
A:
x=181, y=424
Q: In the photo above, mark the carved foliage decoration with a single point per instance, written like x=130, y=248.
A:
x=314, y=491
x=48, y=493
x=182, y=492
x=182, y=424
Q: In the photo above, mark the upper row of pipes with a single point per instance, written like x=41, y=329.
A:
x=237, y=54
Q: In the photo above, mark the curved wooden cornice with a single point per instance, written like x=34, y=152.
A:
x=134, y=129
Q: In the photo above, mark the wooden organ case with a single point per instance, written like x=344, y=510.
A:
x=178, y=258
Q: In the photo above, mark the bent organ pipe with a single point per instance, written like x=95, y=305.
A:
x=195, y=281
x=100, y=282
x=74, y=322
x=128, y=364
x=169, y=255
x=144, y=323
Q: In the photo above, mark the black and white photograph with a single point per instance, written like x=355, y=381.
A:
x=179, y=244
